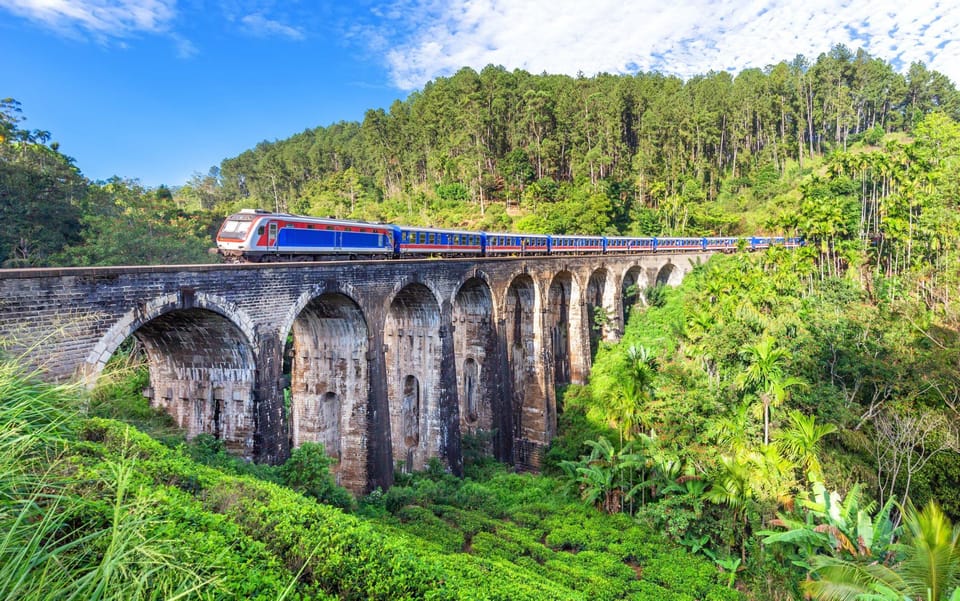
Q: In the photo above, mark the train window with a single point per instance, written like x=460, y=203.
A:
x=404, y=237
x=431, y=239
x=260, y=231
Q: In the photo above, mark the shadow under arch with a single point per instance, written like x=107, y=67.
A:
x=201, y=363
x=413, y=354
x=634, y=282
x=560, y=303
x=132, y=320
x=483, y=411
x=529, y=403
x=597, y=307
x=668, y=275
x=329, y=382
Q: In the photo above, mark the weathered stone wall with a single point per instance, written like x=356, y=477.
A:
x=480, y=339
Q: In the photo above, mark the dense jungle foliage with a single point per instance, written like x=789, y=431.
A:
x=780, y=425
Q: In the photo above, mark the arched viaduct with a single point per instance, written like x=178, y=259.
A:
x=386, y=363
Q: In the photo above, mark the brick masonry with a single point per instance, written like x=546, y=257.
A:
x=390, y=362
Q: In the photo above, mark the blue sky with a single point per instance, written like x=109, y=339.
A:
x=161, y=89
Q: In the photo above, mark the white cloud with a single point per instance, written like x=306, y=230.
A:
x=101, y=18
x=686, y=37
x=185, y=48
x=261, y=26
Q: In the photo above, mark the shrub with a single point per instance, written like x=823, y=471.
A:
x=308, y=472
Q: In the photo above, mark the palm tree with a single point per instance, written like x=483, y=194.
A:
x=765, y=375
x=929, y=569
x=801, y=441
x=732, y=488
x=626, y=403
x=733, y=430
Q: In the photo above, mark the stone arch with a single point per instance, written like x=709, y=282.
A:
x=634, y=282
x=130, y=321
x=668, y=275
x=202, y=372
x=475, y=350
x=528, y=399
x=330, y=383
x=333, y=287
x=413, y=357
x=602, y=317
x=201, y=362
x=559, y=315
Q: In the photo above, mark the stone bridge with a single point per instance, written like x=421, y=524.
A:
x=387, y=363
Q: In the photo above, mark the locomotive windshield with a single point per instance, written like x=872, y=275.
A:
x=236, y=227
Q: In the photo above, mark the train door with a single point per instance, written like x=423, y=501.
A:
x=272, y=234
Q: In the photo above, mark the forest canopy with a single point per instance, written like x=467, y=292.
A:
x=496, y=150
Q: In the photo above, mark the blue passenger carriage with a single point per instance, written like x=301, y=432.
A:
x=725, y=244
x=423, y=241
x=678, y=244
x=629, y=245
x=256, y=235
x=499, y=244
x=577, y=245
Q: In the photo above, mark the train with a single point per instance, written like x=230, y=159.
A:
x=256, y=235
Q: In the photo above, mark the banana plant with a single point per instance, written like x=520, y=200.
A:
x=826, y=524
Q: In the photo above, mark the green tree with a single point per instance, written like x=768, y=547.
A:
x=128, y=225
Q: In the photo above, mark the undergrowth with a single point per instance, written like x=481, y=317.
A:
x=94, y=509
